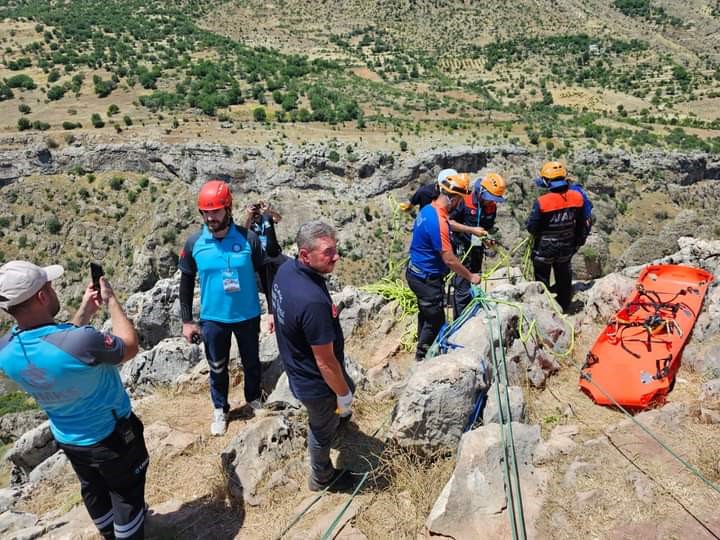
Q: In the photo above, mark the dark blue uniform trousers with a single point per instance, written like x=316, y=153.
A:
x=216, y=336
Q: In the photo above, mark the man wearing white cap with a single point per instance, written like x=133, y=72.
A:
x=71, y=371
x=426, y=194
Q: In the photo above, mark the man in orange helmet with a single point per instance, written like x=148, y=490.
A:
x=431, y=255
x=558, y=223
x=226, y=257
x=473, y=219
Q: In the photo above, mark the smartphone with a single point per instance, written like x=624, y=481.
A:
x=96, y=271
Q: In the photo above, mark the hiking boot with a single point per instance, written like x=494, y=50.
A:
x=219, y=423
x=341, y=480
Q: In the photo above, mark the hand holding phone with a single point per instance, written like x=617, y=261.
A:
x=96, y=272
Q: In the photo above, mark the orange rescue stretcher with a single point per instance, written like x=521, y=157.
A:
x=635, y=359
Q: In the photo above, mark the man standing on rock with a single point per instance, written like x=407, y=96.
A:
x=472, y=220
x=559, y=226
x=311, y=345
x=226, y=257
x=431, y=255
x=71, y=371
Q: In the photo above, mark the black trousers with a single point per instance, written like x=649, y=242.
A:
x=562, y=269
x=112, y=482
x=431, y=314
x=461, y=287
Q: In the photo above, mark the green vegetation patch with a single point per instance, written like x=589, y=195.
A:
x=18, y=401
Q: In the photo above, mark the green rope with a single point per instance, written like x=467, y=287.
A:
x=328, y=532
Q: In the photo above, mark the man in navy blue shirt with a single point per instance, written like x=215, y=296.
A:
x=226, y=258
x=311, y=345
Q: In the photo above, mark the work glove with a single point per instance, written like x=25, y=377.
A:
x=404, y=206
x=344, y=405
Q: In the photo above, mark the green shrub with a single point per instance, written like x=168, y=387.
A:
x=97, y=120
x=116, y=183
x=127, y=120
x=23, y=124
x=21, y=81
x=71, y=125
x=53, y=225
x=24, y=108
x=259, y=114
x=113, y=109
x=56, y=92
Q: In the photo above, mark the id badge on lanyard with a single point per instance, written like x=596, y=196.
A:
x=231, y=281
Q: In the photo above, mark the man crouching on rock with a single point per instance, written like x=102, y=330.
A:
x=71, y=371
x=311, y=345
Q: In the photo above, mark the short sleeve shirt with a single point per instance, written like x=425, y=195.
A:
x=431, y=236
x=71, y=372
x=305, y=316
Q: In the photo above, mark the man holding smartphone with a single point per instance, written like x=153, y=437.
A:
x=70, y=369
x=226, y=258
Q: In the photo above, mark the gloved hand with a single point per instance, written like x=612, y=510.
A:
x=344, y=404
x=404, y=206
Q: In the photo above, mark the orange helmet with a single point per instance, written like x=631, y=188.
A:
x=553, y=170
x=455, y=184
x=214, y=195
x=492, y=187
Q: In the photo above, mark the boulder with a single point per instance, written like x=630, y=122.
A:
x=155, y=312
x=606, y=296
x=436, y=403
x=32, y=448
x=13, y=425
x=281, y=396
x=53, y=467
x=473, y=503
x=255, y=452
x=355, y=308
x=161, y=365
x=8, y=497
x=518, y=410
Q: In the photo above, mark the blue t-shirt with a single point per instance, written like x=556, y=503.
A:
x=71, y=373
x=226, y=268
x=304, y=316
x=431, y=236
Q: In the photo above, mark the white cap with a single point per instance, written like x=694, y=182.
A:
x=445, y=173
x=20, y=280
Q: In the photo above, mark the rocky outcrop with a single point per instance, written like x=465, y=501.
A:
x=31, y=449
x=13, y=425
x=156, y=312
x=162, y=365
x=473, y=503
x=436, y=402
x=255, y=451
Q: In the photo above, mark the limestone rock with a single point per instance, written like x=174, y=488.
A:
x=473, y=502
x=156, y=312
x=606, y=296
x=53, y=467
x=32, y=448
x=255, y=451
x=161, y=365
x=281, y=396
x=560, y=442
x=518, y=411
x=435, y=405
x=11, y=521
x=163, y=440
x=13, y=425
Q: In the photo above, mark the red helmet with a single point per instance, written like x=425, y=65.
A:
x=214, y=195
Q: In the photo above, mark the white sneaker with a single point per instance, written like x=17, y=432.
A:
x=219, y=423
x=256, y=404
